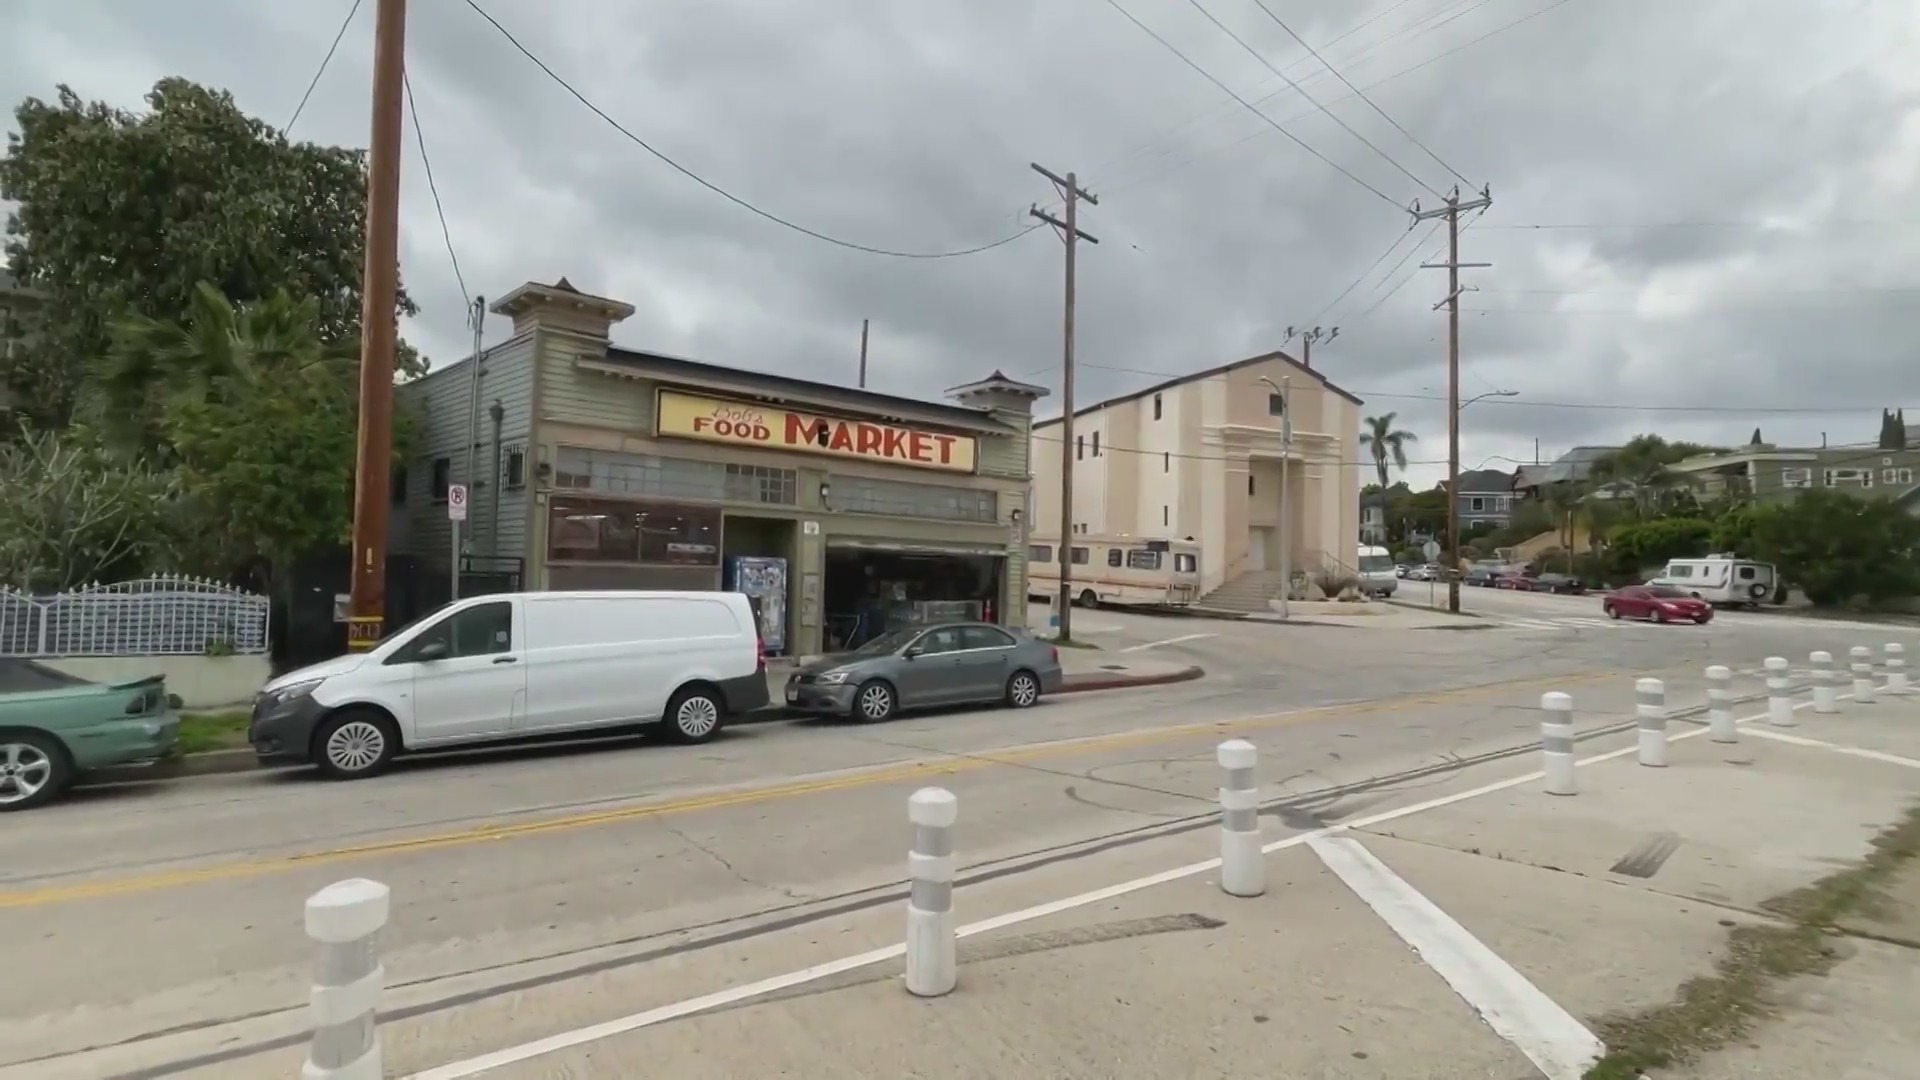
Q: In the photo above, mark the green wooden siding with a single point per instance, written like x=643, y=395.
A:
x=570, y=395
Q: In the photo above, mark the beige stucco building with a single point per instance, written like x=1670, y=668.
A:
x=1201, y=457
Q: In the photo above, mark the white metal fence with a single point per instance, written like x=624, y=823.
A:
x=163, y=615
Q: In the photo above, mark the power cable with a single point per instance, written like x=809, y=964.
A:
x=426, y=165
x=1378, y=259
x=324, y=61
x=1164, y=43
x=1315, y=53
x=1315, y=102
x=722, y=192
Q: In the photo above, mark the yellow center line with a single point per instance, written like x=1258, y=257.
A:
x=248, y=868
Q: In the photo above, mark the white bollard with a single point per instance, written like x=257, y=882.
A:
x=1863, y=687
x=344, y=921
x=933, y=966
x=1779, y=693
x=1243, y=869
x=1556, y=743
x=1720, y=725
x=1826, y=696
x=1650, y=707
x=1896, y=668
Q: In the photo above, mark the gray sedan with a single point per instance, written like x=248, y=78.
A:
x=925, y=666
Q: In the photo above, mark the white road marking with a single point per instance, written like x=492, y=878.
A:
x=1850, y=751
x=1168, y=641
x=633, y=1022
x=1559, y=1045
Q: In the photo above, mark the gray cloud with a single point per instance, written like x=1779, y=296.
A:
x=911, y=127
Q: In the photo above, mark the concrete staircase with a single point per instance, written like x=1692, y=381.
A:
x=1248, y=592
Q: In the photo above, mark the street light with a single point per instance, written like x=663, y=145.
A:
x=1453, y=497
x=1282, y=390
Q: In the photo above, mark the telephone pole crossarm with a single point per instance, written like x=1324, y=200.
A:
x=1062, y=226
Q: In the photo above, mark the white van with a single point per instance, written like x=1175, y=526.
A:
x=1721, y=579
x=1377, y=575
x=511, y=665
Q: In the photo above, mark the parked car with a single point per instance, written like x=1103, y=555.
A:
x=1559, y=583
x=1721, y=579
x=1400, y=570
x=512, y=665
x=1514, y=581
x=54, y=727
x=1661, y=603
x=917, y=667
x=1483, y=576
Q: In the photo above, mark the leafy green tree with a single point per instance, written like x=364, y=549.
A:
x=120, y=213
x=73, y=512
x=1641, y=545
x=1386, y=444
x=1640, y=473
x=1837, y=547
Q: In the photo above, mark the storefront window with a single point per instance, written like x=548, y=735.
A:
x=623, y=473
x=860, y=495
x=602, y=530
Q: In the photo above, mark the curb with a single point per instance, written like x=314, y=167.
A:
x=226, y=762
x=1121, y=682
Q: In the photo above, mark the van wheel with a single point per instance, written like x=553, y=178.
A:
x=1023, y=690
x=354, y=745
x=874, y=701
x=33, y=770
x=1089, y=598
x=695, y=715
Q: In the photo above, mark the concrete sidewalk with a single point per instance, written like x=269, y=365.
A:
x=1465, y=925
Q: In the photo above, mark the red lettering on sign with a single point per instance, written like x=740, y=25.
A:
x=946, y=448
x=869, y=439
x=890, y=442
x=702, y=423
x=796, y=430
x=917, y=446
x=842, y=438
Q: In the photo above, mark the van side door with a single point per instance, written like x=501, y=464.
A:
x=469, y=681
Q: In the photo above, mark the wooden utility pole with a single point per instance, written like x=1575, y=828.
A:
x=863, y=354
x=1071, y=235
x=373, y=457
x=1308, y=337
x=1452, y=210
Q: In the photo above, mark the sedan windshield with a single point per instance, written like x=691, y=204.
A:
x=889, y=642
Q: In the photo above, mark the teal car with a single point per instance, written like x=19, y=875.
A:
x=53, y=727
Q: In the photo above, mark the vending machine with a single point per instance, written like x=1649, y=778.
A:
x=763, y=578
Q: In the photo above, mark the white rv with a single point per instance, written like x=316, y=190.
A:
x=1721, y=579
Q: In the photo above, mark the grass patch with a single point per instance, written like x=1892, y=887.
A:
x=201, y=733
x=1714, y=1010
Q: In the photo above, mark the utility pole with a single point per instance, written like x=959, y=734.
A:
x=1307, y=338
x=1070, y=234
x=373, y=455
x=1451, y=210
x=863, y=354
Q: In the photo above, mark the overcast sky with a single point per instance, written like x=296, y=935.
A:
x=1740, y=178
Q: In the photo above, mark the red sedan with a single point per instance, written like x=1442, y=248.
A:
x=1660, y=603
x=1517, y=582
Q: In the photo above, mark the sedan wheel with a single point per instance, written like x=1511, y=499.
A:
x=1612, y=612
x=32, y=771
x=1023, y=690
x=874, y=702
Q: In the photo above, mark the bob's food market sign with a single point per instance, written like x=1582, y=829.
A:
x=689, y=416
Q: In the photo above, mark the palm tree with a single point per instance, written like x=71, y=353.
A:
x=1639, y=471
x=1386, y=444
x=152, y=362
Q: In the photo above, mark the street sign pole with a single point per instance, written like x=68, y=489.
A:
x=456, y=514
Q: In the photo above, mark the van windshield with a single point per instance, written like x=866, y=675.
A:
x=1374, y=563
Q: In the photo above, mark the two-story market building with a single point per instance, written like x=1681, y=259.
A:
x=841, y=512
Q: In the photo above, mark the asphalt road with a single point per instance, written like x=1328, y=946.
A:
x=159, y=925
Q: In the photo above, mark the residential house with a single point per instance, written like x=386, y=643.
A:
x=1768, y=473
x=1373, y=517
x=1485, y=498
x=1530, y=482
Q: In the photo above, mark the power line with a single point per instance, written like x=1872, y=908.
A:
x=1315, y=102
x=717, y=189
x=426, y=165
x=324, y=61
x=1278, y=21
x=1164, y=43
x=1772, y=225
x=1376, y=84
x=1714, y=292
x=1382, y=257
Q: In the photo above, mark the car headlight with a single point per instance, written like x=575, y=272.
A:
x=832, y=678
x=290, y=692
